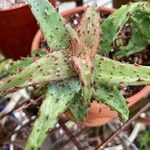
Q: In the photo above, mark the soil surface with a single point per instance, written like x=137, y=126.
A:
x=6, y=133
x=5, y=4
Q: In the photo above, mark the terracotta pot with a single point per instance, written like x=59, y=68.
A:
x=98, y=114
x=17, y=29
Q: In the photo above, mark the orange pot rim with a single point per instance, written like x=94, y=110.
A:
x=131, y=100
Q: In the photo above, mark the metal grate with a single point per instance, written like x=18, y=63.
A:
x=69, y=135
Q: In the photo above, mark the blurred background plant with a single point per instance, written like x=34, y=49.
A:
x=144, y=140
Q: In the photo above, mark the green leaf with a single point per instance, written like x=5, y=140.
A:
x=84, y=68
x=51, y=23
x=51, y=67
x=114, y=23
x=57, y=66
x=140, y=36
x=38, y=53
x=89, y=31
x=18, y=65
x=58, y=97
x=144, y=140
x=14, y=67
x=111, y=72
x=111, y=97
x=77, y=108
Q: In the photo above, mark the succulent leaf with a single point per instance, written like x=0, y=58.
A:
x=57, y=66
x=84, y=67
x=114, y=23
x=51, y=67
x=16, y=66
x=38, y=53
x=111, y=72
x=89, y=31
x=58, y=97
x=76, y=45
x=113, y=98
x=77, y=108
x=140, y=36
x=86, y=49
x=51, y=23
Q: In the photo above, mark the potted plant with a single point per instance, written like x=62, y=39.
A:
x=76, y=69
x=17, y=29
x=94, y=118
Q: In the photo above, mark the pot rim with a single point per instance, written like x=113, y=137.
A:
x=14, y=8
x=20, y=6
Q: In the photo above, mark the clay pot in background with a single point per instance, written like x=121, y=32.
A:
x=17, y=29
x=98, y=114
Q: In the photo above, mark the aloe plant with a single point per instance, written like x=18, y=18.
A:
x=138, y=15
x=74, y=72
